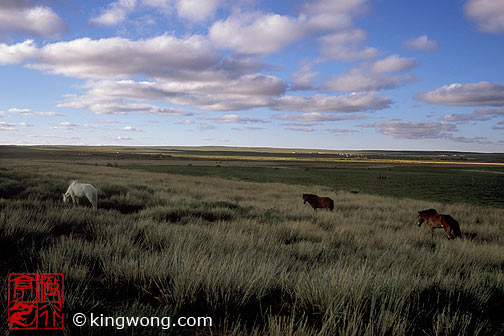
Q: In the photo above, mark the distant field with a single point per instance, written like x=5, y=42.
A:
x=247, y=253
x=242, y=153
x=430, y=176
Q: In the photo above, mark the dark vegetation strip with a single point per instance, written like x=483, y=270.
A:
x=436, y=184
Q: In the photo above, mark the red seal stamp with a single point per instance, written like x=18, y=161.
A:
x=36, y=301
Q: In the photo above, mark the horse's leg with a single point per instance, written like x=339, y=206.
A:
x=448, y=231
x=90, y=199
x=431, y=227
x=74, y=200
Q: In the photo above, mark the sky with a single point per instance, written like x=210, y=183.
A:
x=326, y=74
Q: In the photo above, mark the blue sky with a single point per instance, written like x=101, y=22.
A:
x=348, y=74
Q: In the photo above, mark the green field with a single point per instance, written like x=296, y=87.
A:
x=446, y=184
x=232, y=240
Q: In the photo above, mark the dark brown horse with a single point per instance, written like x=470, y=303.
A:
x=318, y=202
x=435, y=221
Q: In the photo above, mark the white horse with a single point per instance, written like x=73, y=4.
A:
x=77, y=190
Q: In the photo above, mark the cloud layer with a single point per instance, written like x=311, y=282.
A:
x=213, y=61
x=412, y=129
x=185, y=71
x=354, y=102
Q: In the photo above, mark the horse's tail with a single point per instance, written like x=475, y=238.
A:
x=95, y=197
x=331, y=204
x=454, y=225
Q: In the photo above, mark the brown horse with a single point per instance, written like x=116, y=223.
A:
x=318, y=202
x=435, y=221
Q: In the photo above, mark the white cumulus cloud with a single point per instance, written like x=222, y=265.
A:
x=162, y=55
x=393, y=63
x=461, y=117
x=21, y=18
x=331, y=22
x=488, y=14
x=17, y=53
x=421, y=43
x=65, y=125
x=466, y=94
x=256, y=33
x=130, y=129
x=499, y=125
x=354, y=102
x=382, y=74
x=197, y=10
x=318, y=117
x=233, y=119
x=6, y=126
x=29, y=112
x=491, y=112
x=413, y=129
x=346, y=45
x=116, y=12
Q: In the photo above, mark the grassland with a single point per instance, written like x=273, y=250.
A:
x=172, y=240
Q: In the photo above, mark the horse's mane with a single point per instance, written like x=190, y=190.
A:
x=72, y=182
x=427, y=212
x=310, y=196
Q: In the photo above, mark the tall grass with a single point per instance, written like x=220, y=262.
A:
x=252, y=256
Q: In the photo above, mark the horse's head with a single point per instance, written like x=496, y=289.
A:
x=421, y=219
x=423, y=215
x=65, y=198
x=305, y=198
